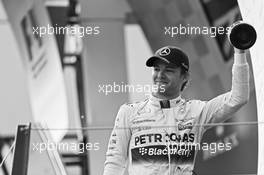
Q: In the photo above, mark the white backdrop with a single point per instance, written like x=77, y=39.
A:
x=252, y=12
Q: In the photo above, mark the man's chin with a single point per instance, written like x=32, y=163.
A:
x=162, y=88
x=160, y=91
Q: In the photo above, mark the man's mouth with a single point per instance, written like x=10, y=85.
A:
x=161, y=82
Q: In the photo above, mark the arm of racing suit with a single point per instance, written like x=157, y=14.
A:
x=223, y=106
x=117, y=153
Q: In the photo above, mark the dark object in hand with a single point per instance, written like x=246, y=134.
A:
x=242, y=35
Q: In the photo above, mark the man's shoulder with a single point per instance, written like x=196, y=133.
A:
x=135, y=105
x=195, y=103
x=132, y=107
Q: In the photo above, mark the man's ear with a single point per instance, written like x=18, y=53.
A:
x=186, y=78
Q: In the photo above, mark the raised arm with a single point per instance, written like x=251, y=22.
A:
x=222, y=107
x=117, y=153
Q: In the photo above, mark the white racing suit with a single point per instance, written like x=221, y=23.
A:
x=148, y=133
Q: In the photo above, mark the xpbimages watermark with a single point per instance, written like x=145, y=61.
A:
x=76, y=147
x=124, y=88
x=173, y=31
x=66, y=30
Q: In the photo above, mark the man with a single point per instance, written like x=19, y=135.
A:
x=148, y=133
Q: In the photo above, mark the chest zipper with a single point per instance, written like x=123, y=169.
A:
x=168, y=148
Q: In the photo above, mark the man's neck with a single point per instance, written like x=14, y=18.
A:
x=165, y=96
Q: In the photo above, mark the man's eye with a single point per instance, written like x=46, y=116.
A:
x=156, y=69
x=170, y=70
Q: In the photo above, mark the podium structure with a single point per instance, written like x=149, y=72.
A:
x=31, y=157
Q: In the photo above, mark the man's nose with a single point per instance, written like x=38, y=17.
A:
x=160, y=74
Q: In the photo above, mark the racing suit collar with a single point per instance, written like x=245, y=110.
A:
x=164, y=103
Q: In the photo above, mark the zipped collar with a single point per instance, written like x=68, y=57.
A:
x=164, y=103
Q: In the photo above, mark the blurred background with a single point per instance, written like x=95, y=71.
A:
x=56, y=78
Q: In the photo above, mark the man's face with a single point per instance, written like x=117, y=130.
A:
x=168, y=78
